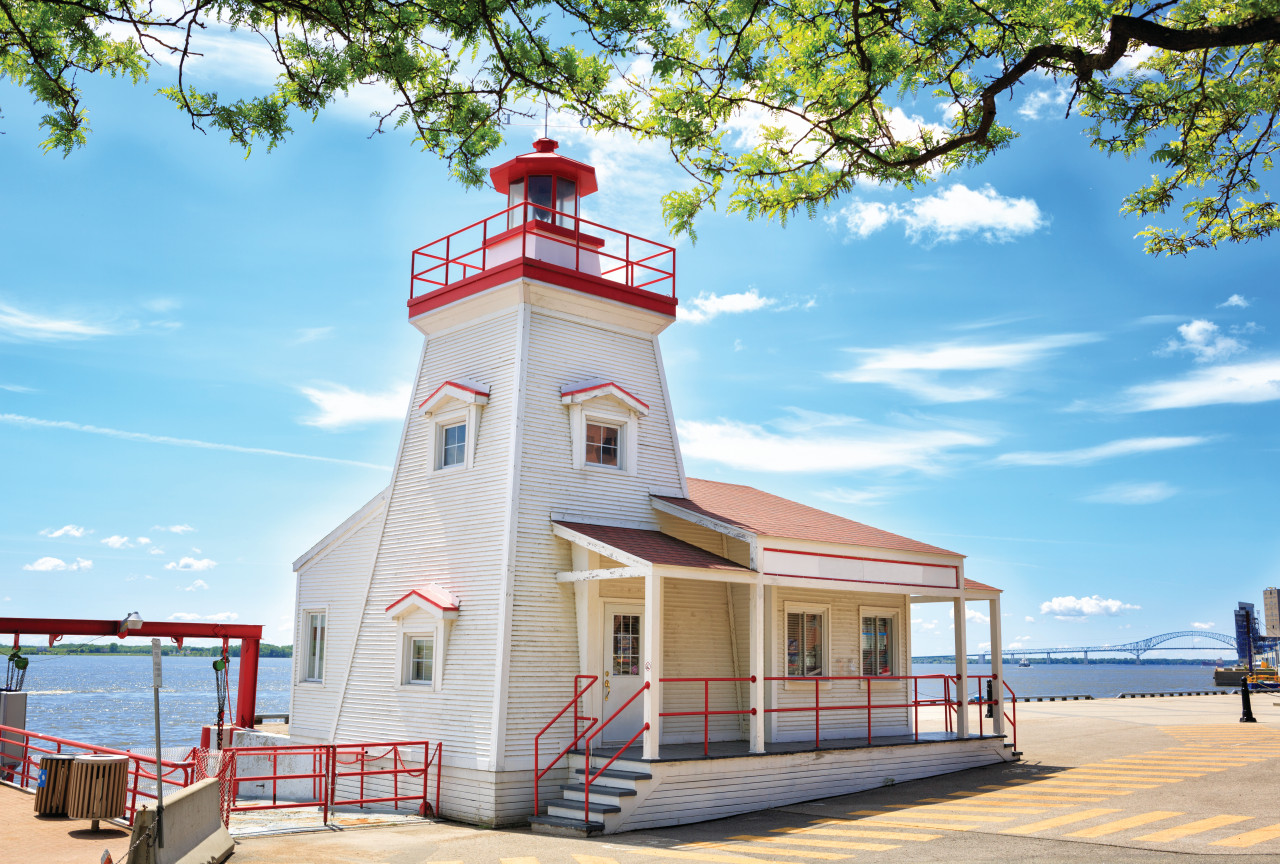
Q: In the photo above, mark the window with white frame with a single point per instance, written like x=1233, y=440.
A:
x=419, y=657
x=806, y=643
x=877, y=643
x=315, y=637
x=604, y=444
x=453, y=445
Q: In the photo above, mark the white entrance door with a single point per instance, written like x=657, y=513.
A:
x=623, y=671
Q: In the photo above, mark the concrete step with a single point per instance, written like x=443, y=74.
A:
x=576, y=791
x=561, y=826
x=615, y=774
x=573, y=809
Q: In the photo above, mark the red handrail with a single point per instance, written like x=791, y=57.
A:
x=578, y=693
x=706, y=713
x=586, y=796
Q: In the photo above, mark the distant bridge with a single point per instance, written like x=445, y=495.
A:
x=1137, y=649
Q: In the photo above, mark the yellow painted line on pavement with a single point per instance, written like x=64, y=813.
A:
x=1093, y=785
x=746, y=847
x=828, y=827
x=1141, y=775
x=719, y=857
x=1189, y=761
x=1197, y=827
x=1250, y=838
x=1059, y=821
x=593, y=859
x=944, y=804
x=825, y=844
x=932, y=826
x=518, y=860
x=1119, y=825
x=1038, y=797
x=1029, y=791
x=933, y=814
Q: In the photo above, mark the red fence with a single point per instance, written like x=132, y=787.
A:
x=23, y=769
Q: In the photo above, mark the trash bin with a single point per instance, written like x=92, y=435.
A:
x=51, y=793
x=97, y=787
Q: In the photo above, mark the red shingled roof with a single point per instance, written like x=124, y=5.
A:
x=762, y=513
x=975, y=585
x=654, y=547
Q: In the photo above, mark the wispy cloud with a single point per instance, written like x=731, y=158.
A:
x=341, y=407
x=1236, y=301
x=920, y=370
x=193, y=564
x=1090, y=455
x=66, y=530
x=824, y=446
x=198, y=585
x=36, y=423
x=1235, y=383
x=173, y=529
x=860, y=497
x=706, y=305
x=47, y=564
x=1041, y=101
x=18, y=325
x=17, y=388
x=1133, y=493
x=1070, y=607
x=1205, y=341
x=196, y=616
x=311, y=334
x=955, y=213
x=1202, y=625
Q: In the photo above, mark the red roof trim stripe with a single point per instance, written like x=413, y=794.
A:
x=861, y=558
x=453, y=607
x=452, y=384
x=853, y=581
x=606, y=384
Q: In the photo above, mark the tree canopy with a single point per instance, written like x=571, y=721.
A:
x=774, y=107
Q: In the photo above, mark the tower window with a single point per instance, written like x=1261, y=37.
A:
x=603, y=444
x=453, y=445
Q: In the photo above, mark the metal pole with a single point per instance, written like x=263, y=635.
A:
x=155, y=693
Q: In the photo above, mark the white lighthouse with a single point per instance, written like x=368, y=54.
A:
x=539, y=540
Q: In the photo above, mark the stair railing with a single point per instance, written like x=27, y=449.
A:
x=591, y=778
x=578, y=717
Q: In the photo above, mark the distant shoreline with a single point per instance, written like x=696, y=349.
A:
x=1080, y=661
x=115, y=649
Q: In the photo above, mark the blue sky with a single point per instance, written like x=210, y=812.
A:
x=204, y=362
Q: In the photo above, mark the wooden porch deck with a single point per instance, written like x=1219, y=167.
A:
x=738, y=749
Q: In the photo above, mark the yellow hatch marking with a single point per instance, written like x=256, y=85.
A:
x=933, y=826
x=1074, y=799
x=1023, y=790
x=593, y=859
x=1118, y=773
x=721, y=857
x=1059, y=821
x=1250, y=838
x=828, y=828
x=518, y=860
x=800, y=853
x=825, y=844
x=1190, y=828
x=944, y=804
x=1092, y=785
x=932, y=814
x=1121, y=824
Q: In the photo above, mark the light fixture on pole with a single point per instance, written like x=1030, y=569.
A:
x=132, y=621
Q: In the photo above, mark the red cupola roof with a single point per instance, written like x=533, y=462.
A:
x=544, y=160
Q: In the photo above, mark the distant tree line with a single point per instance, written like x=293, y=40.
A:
x=1096, y=661
x=265, y=649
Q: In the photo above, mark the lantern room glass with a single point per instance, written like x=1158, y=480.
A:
x=544, y=193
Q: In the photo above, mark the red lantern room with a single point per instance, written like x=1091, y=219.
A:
x=541, y=236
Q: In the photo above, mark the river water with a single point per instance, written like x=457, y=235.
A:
x=106, y=699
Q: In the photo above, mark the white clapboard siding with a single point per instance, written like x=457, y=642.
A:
x=844, y=642
x=697, y=643
x=698, y=790
x=330, y=582
x=544, y=654
x=447, y=528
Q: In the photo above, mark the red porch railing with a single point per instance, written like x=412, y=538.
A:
x=591, y=778
x=578, y=718
x=24, y=769
x=624, y=259
x=706, y=713
x=1012, y=702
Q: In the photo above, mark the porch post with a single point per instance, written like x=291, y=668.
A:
x=757, y=666
x=962, y=669
x=997, y=667
x=652, y=663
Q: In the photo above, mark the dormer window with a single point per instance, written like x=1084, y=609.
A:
x=604, y=425
x=453, y=412
x=603, y=444
x=453, y=445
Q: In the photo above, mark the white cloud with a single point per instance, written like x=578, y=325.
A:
x=1202, y=625
x=37, y=423
x=706, y=305
x=1131, y=61
x=144, y=541
x=155, y=550
x=194, y=564
x=1133, y=493
x=920, y=370
x=311, y=334
x=1014, y=645
x=1030, y=620
x=1083, y=607
x=195, y=616
x=975, y=616
x=117, y=542
x=954, y=213
x=860, y=497
x=67, y=530
x=341, y=407
x=1205, y=341
x=750, y=447
x=1236, y=383
x=17, y=325
x=17, y=388
x=173, y=529
x=1110, y=450
x=1235, y=300
x=1038, y=101
x=198, y=585
x=47, y=564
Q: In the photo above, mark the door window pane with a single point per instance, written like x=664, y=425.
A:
x=626, y=644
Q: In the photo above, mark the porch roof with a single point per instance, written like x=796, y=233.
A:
x=762, y=513
x=654, y=547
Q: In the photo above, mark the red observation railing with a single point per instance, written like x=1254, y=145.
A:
x=23, y=769
x=561, y=241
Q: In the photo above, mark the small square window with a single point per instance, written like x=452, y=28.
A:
x=453, y=445
x=421, y=660
x=603, y=444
